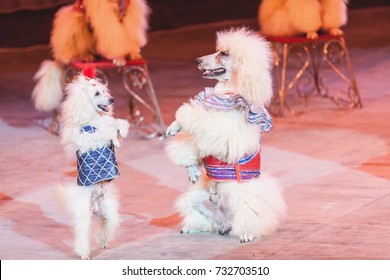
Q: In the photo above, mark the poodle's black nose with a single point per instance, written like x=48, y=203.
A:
x=198, y=61
x=111, y=100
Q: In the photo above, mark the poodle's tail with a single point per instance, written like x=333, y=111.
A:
x=48, y=91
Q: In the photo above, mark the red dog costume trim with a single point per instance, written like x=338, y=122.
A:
x=245, y=169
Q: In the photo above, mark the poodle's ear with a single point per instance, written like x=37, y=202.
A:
x=66, y=91
x=77, y=107
x=251, y=62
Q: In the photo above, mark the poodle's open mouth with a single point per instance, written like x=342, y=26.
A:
x=207, y=73
x=104, y=108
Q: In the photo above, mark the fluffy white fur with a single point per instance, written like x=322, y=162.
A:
x=48, y=91
x=81, y=107
x=76, y=201
x=88, y=101
x=295, y=17
x=72, y=38
x=251, y=209
x=112, y=36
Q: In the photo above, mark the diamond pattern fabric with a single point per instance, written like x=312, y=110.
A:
x=97, y=165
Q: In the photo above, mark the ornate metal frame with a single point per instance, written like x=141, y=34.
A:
x=304, y=58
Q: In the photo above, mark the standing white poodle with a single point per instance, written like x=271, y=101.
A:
x=113, y=29
x=221, y=128
x=296, y=17
x=89, y=132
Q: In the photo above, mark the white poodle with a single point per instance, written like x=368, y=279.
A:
x=115, y=30
x=295, y=17
x=221, y=129
x=89, y=132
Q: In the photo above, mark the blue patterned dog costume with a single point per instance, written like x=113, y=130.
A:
x=97, y=165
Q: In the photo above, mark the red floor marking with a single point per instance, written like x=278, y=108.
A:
x=72, y=173
x=168, y=221
x=4, y=198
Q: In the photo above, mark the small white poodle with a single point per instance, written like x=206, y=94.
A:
x=89, y=132
x=221, y=128
x=115, y=30
x=296, y=17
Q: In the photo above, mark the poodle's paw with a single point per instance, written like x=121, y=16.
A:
x=88, y=57
x=193, y=173
x=135, y=56
x=246, y=237
x=82, y=250
x=312, y=35
x=116, y=143
x=187, y=231
x=119, y=61
x=225, y=229
x=336, y=32
x=123, y=127
x=105, y=246
x=173, y=129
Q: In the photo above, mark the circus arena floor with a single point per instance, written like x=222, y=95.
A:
x=334, y=165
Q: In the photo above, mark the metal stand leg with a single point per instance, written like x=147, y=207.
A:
x=280, y=66
x=300, y=53
x=308, y=56
x=337, y=51
x=136, y=79
x=282, y=90
x=55, y=124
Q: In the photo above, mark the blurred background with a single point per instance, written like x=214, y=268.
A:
x=28, y=22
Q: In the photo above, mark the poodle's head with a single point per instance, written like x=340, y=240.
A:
x=86, y=99
x=243, y=63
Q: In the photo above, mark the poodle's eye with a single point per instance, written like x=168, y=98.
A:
x=97, y=93
x=224, y=53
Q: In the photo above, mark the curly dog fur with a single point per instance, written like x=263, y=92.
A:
x=88, y=101
x=84, y=30
x=247, y=209
x=296, y=17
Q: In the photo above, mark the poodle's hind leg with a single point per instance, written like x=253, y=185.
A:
x=194, y=220
x=82, y=219
x=108, y=219
x=83, y=227
x=256, y=216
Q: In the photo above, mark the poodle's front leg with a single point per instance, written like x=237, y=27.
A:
x=193, y=173
x=86, y=141
x=173, y=128
x=182, y=151
x=123, y=127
